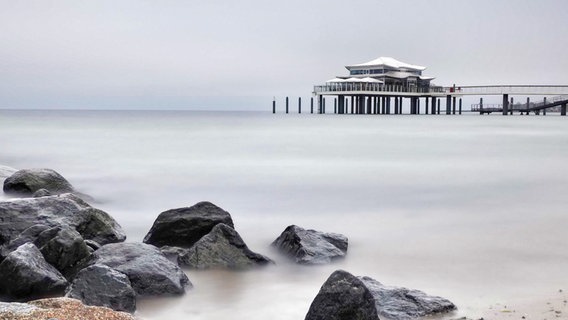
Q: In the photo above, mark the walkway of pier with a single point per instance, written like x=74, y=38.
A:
x=375, y=98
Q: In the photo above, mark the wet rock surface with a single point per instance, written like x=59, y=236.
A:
x=24, y=275
x=100, y=285
x=26, y=182
x=148, y=270
x=223, y=247
x=311, y=246
x=183, y=227
x=344, y=296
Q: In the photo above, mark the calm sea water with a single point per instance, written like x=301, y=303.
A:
x=471, y=208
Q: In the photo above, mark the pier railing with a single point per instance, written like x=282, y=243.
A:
x=375, y=87
x=514, y=89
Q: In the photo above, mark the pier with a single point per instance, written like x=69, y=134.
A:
x=383, y=85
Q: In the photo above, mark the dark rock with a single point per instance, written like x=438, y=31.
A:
x=403, y=303
x=310, y=246
x=25, y=274
x=184, y=226
x=99, y=285
x=41, y=193
x=223, y=247
x=28, y=235
x=62, y=247
x=148, y=270
x=64, y=250
x=57, y=211
x=343, y=297
x=27, y=181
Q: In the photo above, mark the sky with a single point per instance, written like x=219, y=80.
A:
x=238, y=55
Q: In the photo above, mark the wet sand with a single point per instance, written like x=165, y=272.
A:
x=549, y=307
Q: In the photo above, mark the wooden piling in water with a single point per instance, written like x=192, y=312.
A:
x=312, y=105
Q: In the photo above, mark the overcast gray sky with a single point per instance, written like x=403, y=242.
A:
x=239, y=54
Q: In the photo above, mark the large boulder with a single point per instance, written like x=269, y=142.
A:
x=58, y=308
x=99, y=285
x=148, y=270
x=184, y=226
x=223, y=247
x=25, y=275
x=311, y=246
x=344, y=296
x=57, y=211
x=26, y=182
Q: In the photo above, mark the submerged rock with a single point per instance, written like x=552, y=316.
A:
x=311, y=246
x=183, y=227
x=57, y=211
x=99, y=285
x=223, y=247
x=58, y=308
x=344, y=297
x=148, y=270
x=403, y=303
x=27, y=181
x=24, y=275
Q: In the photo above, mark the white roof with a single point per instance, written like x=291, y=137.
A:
x=389, y=62
x=369, y=79
x=336, y=80
x=362, y=80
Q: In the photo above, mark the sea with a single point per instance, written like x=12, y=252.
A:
x=472, y=208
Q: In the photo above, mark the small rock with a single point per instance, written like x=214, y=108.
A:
x=311, y=246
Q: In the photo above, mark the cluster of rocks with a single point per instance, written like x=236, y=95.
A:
x=53, y=244
x=202, y=237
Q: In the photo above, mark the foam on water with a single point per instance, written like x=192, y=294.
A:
x=470, y=208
